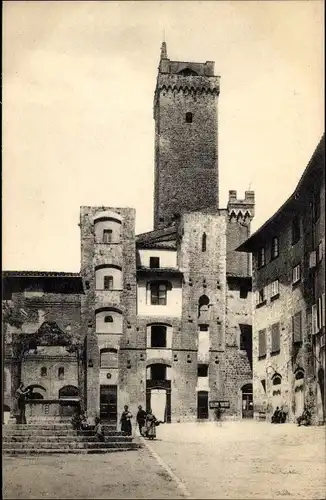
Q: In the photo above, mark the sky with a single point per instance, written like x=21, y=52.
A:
x=78, y=128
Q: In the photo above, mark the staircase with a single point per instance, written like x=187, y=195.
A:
x=46, y=438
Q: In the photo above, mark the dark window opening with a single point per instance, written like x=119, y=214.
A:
x=44, y=371
x=246, y=341
x=158, y=336
x=154, y=262
x=61, y=372
x=277, y=380
x=158, y=293
x=299, y=375
x=158, y=372
x=108, y=319
x=108, y=282
x=203, y=328
x=261, y=257
x=188, y=117
x=107, y=235
x=296, y=233
x=275, y=247
x=203, y=242
x=202, y=371
x=263, y=383
x=316, y=206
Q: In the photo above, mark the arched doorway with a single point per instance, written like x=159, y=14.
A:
x=158, y=391
x=276, y=391
x=247, y=406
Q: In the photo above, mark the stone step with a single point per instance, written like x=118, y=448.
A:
x=66, y=446
x=54, y=451
x=54, y=432
x=23, y=438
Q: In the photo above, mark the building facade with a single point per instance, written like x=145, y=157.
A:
x=164, y=317
x=289, y=310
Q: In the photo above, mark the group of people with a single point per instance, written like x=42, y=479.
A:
x=279, y=416
x=305, y=418
x=147, y=422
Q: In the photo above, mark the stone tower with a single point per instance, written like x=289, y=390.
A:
x=186, y=149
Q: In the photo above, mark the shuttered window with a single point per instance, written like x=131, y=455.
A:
x=314, y=320
x=275, y=288
x=297, y=327
x=323, y=310
x=275, y=338
x=262, y=343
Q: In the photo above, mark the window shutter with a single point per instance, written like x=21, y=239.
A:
x=314, y=324
x=262, y=343
x=319, y=314
x=312, y=259
x=297, y=327
x=275, y=337
x=323, y=310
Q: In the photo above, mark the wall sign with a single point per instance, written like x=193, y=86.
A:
x=219, y=404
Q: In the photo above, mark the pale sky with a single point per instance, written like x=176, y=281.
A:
x=78, y=128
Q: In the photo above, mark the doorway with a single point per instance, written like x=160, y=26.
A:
x=247, y=401
x=202, y=404
x=108, y=403
x=158, y=403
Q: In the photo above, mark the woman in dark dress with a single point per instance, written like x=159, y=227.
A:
x=125, y=421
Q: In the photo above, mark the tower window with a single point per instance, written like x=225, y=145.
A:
x=108, y=282
x=154, y=262
x=203, y=242
x=108, y=319
x=188, y=117
x=107, y=235
x=158, y=293
x=44, y=371
x=61, y=372
x=158, y=336
x=202, y=370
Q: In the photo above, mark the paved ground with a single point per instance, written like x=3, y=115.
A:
x=247, y=460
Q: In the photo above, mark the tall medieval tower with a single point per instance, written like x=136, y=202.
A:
x=186, y=146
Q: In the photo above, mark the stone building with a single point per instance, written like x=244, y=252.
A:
x=162, y=318
x=289, y=286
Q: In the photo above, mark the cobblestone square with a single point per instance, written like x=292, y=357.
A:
x=233, y=460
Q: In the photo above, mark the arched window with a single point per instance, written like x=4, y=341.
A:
x=44, y=371
x=108, y=282
x=203, y=304
x=188, y=72
x=299, y=375
x=203, y=242
x=277, y=380
x=68, y=391
x=108, y=319
x=109, y=358
x=61, y=372
x=188, y=117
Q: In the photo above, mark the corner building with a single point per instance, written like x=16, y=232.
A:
x=165, y=316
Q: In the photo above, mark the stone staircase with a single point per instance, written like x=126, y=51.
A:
x=46, y=438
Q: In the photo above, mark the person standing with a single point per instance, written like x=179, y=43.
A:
x=151, y=423
x=21, y=394
x=98, y=429
x=125, y=421
x=141, y=419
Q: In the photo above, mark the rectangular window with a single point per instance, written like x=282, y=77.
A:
x=107, y=235
x=275, y=288
x=154, y=262
x=296, y=233
x=296, y=274
x=158, y=336
x=320, y=312
x=275, y=347
x=316, y=206
x=202, y=370
x=275, y=247
x=261, y=257
x=314, y=320
x=61, y=372
x=203, y=328
x=297, y=327
x=262, y=343
x=158, y=294
x=261, y=296
x=108, y=282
